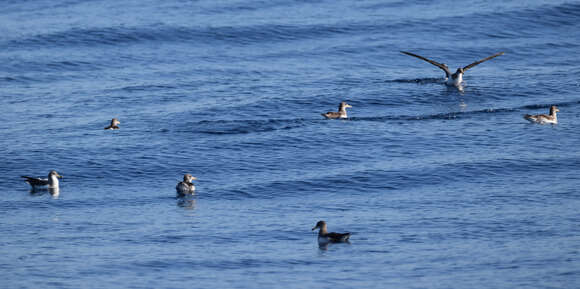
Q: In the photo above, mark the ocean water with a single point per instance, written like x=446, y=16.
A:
x=440, y=188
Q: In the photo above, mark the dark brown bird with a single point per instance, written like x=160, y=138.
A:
x=341, y=111
x=325, y=237
x=186, y=186
x=114, y=123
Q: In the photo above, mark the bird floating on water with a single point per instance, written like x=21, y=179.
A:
x=341, y=111
x=325, y=237
x=114, y=124
x=38, y=183
x=453, y=79
x=544, y=118
x=186, y=186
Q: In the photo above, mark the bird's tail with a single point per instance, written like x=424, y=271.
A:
x=27, y=179
x=346, y=236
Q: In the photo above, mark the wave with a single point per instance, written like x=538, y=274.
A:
x=529, y=22
x=551, y=16
x=417, y=80
x=223, y=127
x=547, y=15
x=19, y=79
x=210, y=35
x=462, y=114
x=245, y=126
x=358, y=180
x=201, y=35
x=50, y=66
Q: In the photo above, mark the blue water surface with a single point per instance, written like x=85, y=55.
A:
x=440, y=188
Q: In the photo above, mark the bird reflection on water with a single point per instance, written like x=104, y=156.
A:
x=186, y=202
x=36, y=192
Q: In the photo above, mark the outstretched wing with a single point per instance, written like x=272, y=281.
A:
x=440, y=65
x=480, y=61
x=36, y=181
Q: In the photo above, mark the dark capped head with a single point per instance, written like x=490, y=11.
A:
x=319, y=225
x=344, y=105
x=188, y=178
x=54, y=173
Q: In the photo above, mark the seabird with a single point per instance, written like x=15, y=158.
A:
x=114, y=123
x=51, y=181
x=456, y=78
x=186, y=186
x=341, y=111
x=325, y=237
x=544, y=118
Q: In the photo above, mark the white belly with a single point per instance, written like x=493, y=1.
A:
x=455, y=81
x=53, y=182
x=548, y=121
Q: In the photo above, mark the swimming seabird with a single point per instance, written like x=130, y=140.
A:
x=341, y=111
x=544, y=118
x=325, y=237
x=186, y=186
x=456, y=78
x=51, y=182
x=114, y=123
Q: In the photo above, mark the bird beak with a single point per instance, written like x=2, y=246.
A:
x=58, y=176
x=314, y=228
x=193, y=178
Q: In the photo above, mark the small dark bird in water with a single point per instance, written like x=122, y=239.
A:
x=114, y=124
x=341, y=111
x=544, y=118
x=325, y=237
x=453, y=79
x=186, y=186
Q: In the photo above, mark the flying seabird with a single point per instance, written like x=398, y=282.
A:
x=325, y=237
x=186, y=186
x=456, y=78
x=544, y=118
x=341, y=111
x=114, y=123
x=51, y=182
